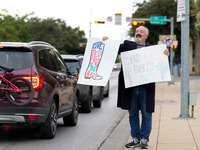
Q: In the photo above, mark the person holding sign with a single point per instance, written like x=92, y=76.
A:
x=137, y=98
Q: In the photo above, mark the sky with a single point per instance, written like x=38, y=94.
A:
x=78, y=13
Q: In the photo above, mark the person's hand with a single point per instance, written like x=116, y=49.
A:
x=105, y=38
x=166, y=52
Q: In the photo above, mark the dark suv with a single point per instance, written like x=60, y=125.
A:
x=55, y=89
x=87, y=93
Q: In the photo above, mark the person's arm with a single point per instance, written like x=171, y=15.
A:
x=105, y=38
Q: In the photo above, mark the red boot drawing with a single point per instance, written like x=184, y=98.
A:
x=95, y=58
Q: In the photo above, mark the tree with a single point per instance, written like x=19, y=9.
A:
x=157, y=8
x=54, y=31
x=196, y=13
x=161, y=8
x=7, y=28
x=57, y=33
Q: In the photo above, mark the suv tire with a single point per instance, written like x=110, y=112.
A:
x=87, y=105
x=107, y=94
x=48, y=129
x=72, y=119
x=97, y=103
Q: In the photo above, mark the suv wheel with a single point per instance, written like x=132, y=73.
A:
x=87, y=105
x=97, y=103
x=48, y=129
x=72, y=119
x=107, y=94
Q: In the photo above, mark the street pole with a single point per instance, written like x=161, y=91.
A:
x=171, y=49
x=90, y=25
x=185, y=26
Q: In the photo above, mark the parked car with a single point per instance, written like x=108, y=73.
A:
x=87, y=94
x=55, y=89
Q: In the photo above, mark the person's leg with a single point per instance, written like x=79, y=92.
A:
x=134, y=120
x=146, y=121
x=134, y=115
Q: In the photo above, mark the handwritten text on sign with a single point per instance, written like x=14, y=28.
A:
x=145, y=65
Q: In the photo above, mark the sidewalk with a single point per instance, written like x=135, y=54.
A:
x=169, y=132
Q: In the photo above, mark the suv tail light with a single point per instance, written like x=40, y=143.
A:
x=32, y=117
x=35, y=80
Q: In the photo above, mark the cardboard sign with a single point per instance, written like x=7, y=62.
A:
x=145, y=65
x=98, y=62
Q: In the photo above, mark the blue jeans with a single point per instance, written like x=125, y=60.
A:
x=139, y=102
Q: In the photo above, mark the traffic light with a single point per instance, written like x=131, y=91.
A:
x=175, y=47
x=101, y=22
x=137, y=23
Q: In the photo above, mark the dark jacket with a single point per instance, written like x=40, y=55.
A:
x=125, y=94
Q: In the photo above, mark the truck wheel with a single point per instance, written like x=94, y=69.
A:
x=87, y=105
x=97, y=103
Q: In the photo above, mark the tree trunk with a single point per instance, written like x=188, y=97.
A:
x=197, y=54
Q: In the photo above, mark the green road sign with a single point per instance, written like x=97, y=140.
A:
x=158, y=20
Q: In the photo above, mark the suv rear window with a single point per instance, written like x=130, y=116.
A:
x=72, y=63
x=18, y=59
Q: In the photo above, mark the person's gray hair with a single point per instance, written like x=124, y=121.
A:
x=146, y=29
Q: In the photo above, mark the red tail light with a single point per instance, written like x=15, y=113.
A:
x=32, y=117
x=36, y=81
x=8, y=127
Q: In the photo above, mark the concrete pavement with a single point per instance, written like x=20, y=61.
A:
x=169, y=131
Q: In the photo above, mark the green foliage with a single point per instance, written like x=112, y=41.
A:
x=54, y=31
x=161, y=8
x=196, y=13
x=118, y=59
x=156, y=8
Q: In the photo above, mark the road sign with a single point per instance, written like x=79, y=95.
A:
x=109, y=18
x=158, y=20
x=128, y=19
x=180, y=10
x=118, y=19
x=168, y=40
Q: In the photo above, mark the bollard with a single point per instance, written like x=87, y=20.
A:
x=192, y=101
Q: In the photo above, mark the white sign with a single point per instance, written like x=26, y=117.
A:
x=109, y=18
x=118, y=19
x=128, y=19
x=98, y=62
x=168, y=40
x=145, y=65
x=180, y=10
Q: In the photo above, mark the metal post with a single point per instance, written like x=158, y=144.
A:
x=90, y=25
x=185, y=26
x=171, y=49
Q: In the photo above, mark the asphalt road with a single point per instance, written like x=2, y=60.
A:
x=91, y=131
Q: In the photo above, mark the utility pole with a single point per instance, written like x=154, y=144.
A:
x=171, y=49
x=185, y=28
x=90, y=25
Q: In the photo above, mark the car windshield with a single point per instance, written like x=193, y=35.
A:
x=72, y=63
x=16, y=58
